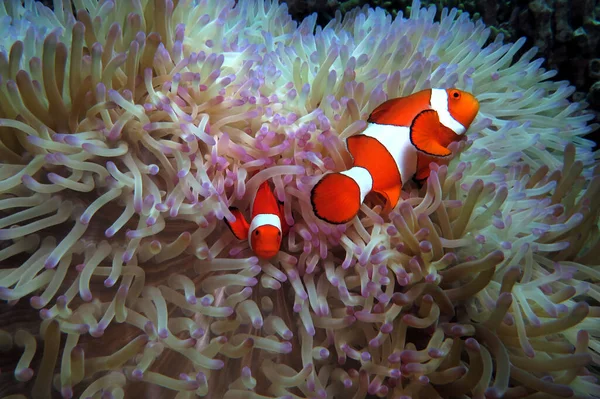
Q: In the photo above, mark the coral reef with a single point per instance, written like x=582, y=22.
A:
x=567, y=34
x=127, y=129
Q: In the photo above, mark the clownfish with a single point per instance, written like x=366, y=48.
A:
x=268, y=225
x=403, y=136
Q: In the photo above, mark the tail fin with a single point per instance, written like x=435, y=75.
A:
x=337, y=197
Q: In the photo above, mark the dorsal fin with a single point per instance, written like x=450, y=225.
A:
x=284, y=226
x=264, y=201
x=401, y=111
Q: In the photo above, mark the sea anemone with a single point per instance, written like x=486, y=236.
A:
x=128, y=128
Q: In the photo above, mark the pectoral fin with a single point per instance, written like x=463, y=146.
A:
x=391, y=195
x=422, y=175
x=425, y=134
x=240, y=227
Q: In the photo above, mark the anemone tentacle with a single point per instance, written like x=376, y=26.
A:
x=128, y=129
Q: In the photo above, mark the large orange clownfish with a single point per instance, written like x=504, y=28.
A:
x=403, y=136
x=267, y=226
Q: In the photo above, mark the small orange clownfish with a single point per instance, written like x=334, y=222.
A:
x=268, y=225
x=403, y=136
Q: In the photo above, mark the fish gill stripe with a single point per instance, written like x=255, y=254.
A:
x=439, y=103
x=262, y=220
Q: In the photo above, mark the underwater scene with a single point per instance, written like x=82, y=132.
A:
x=260, y=199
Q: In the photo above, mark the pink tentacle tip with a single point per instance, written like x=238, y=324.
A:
x=88, y=147
x=73, y=141
x=257, y=323
x=59, y=137
x=51, y=262
x=24, y=375
x=455, y=330
x=46, y=314
x=509, y=319
x=137, y=375
x=28, y=180
x=535, y=321
x=472, y=344
x=206, y=301
x=138, y=205
x=197, y=333
x=386, y=328
x=149, y=328
x=153, y=169
x=493, y=393
x=246, y=372
x=163, y=333
x=34, y=140
x=395, y=357
x=51, y=158
x=66, y=392
x=286, y=347
x=98, y=331
x=218, y=364
x=37, y=302
x=529, y=351
x=127, y=256
x=161, y=207
x=86, y=295
x=374, y=387
x=435, y=353
x=287, y=334
x=324, y=310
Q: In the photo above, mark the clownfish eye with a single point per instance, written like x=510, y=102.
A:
x=256, y=233
x=279, y=234
x=455, y=94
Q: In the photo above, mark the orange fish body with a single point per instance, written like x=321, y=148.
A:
x=403, y=136
x=267, y=226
